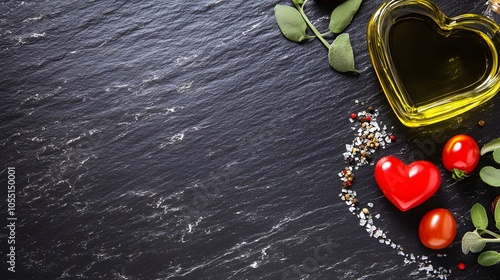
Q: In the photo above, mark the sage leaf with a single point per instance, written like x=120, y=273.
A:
x=497, y=214
x=491, y=146
x=343, y=14
x=291, y=23
x=479, y=216
x=340, y=54
x=490, y=175
x=472, y=242
x=496, y=155
x=488, y=258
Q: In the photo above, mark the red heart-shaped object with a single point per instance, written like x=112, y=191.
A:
x=407, y=186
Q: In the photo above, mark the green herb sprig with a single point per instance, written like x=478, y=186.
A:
x=293, y=23
x=475, y=241
x=489, y=174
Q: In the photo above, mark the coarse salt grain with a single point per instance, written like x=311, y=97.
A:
x=362, y=222
x=371, y=132
x=427, y=268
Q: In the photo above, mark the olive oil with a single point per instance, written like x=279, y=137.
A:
x=431, y=67
x=433, y=63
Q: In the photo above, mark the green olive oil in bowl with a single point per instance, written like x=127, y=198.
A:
x=432, y=67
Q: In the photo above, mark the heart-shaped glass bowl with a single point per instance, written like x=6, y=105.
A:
x=432, y=67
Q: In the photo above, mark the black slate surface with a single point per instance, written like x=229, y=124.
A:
x=191, y=140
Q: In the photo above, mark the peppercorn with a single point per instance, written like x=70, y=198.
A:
x=355, y=201
x=461, y=266
x=351, y=161
x=481, y=123
x=371, y=110
x=366, y=211
x=368, y=158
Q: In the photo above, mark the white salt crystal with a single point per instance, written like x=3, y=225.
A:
x=428, y=268
x=362, y=222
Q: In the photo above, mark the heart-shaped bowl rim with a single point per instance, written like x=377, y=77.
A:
x=448, y=106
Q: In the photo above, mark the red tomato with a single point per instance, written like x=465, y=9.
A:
x=437, y=229
x=460, y=155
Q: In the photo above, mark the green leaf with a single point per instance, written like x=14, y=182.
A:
x=340, y=54
x=497, y=214
x=343, y=14
x=479, y=216
x=491, y=146
x=490, y=175
x=488, y=258
x=472, y=242
x=291, y=23
x=496, y=155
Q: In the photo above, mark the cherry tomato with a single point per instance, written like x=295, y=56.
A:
x=437, y=229
x=460, y=155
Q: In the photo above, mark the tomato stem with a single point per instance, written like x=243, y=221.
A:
x=458, y=174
